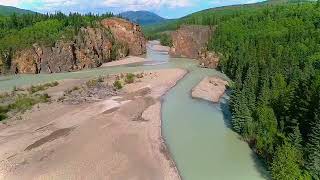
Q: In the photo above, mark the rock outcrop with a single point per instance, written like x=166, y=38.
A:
x=191, y=42
x=210, y=89
x=128, y=34
x=26, y=62
x=208, y=59
x=188, y=41
x=89, y=49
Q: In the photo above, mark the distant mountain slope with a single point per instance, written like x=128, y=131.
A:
x=8, y=10
x=286, y=1
x=143, y=17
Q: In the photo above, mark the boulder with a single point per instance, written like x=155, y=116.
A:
x=128, y=34
x=189, y=40
x=208, y=59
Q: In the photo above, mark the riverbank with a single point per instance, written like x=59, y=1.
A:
x=125, y=61
x=102, y=139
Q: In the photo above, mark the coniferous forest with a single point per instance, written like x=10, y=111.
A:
x=272, y=54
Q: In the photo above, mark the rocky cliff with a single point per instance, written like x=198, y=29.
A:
x=191, y=42
x=91, y=47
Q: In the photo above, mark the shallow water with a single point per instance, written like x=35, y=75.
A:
x=197, y=132
x=199, y=138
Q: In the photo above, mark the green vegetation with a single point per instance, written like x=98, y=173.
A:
x=166, y=40
x=286, y=164
x=92, y=83
x=8, y=10
x=19, y=100
x=25, y=102
x=129, y=78
x=272, y=53
x=22, y=31
x=41, y=87
x=117, y=85
x=19, y=103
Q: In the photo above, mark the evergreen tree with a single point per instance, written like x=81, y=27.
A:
x=313, y=147
x=295, y=138
x=286, y=164
x=266, y=130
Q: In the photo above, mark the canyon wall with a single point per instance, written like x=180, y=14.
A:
x=115, y=39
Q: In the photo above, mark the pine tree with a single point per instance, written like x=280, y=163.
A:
x=313, y=147
x=266, y=129
x=241, y=114
x=286, y=163
x=295, y=138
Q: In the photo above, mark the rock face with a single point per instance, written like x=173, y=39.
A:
x=189, y=40
x=90, y=48
x=26, y=62
x=209, y=59
x=210, y=89
x=128, y=34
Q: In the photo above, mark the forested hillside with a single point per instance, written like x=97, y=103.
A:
x=19, y=32
x=272, y=53
x=8, y=10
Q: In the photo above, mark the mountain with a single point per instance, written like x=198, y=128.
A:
x=286, y=1
x=8, y=10
x=142, y=17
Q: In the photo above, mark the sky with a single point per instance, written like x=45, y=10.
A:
x=165, y=8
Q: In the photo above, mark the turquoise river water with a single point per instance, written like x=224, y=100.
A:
x=197, y=132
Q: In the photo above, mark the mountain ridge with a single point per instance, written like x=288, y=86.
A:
x=9, y=10
x=142, y=17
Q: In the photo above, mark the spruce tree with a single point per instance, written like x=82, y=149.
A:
x=295, y=138
x=313, y=147
x=286, y=163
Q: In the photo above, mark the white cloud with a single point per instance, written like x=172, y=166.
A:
x=147, y=3
x=10, y=2
x=230, y=2
x=104, y=5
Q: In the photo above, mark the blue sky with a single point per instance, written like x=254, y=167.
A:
x=165, y=8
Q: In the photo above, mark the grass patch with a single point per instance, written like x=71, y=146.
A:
x=18, y=102
x=130, y=78
x=92, y=83
x=42, y=87
x=117, y=85
x=26, y=102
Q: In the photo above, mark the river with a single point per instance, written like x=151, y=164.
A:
x=197, y=132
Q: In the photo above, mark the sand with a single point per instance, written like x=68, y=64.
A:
x=210, y=89
x=115, y=138
x=125, y=61
x=156, y=46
